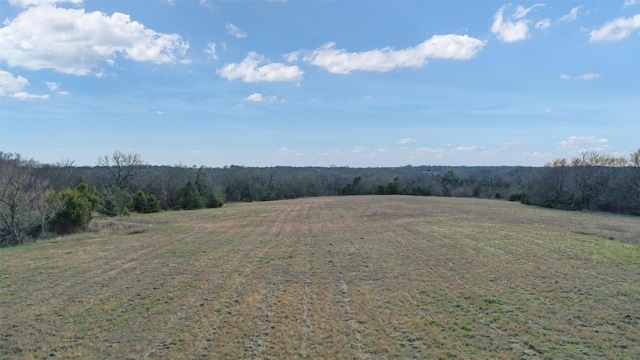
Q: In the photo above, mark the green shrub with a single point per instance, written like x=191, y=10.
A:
x=74, y=213
x=518, y=196
x=145, y=204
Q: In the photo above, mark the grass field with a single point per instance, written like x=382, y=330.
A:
x=359, y=277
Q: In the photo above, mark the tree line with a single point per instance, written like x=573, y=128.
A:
x=40, y=199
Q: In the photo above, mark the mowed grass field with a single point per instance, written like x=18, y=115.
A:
x=360, y=277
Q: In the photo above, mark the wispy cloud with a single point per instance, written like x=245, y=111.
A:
x=406, y=140
x=515, y=27
x=583, y=77
x=543, y=24
x=286, y=151
x=249, y=70
x=211, y=50
x=340, y=61
x=55, y=87
x=578, y=141
x=234, y=31
x=571, y=16
x=615, y=30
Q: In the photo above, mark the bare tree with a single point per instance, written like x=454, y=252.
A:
x=23, y=200
x=122, y=167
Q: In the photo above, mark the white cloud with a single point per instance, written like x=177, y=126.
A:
x=465, y=148
x=536, y=154
x=73, y=41
x=330, y=152
x=286, y=151
x=629, y=3
x=207, y=4
x=588, y=76
x=522, y=11
x=28, y=3
x=615, y=30
x=339, y=61
x=543, y=24
x=292, y=56
x=571, y=16
x=584, y=77
x=55, y=87
x=515, y=27
x=406, y=140
x=11, y=84
x=257, y=97
x=211, y=50
x=234, y=31
x=23, y=95
x=507, y=30
x=249, y=71
x=577, y=141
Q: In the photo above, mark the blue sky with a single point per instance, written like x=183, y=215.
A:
x=346, y=83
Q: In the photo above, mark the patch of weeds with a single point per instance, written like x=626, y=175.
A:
x=218, y=309
x=493, y=300
x=264, y=260
x=330, y=261
x=8, y=296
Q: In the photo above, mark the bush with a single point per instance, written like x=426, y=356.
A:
x=74, y=213
x=190, y=197
x=518, y=196
x=145, y=204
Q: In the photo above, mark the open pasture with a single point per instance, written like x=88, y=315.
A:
x=359, y=277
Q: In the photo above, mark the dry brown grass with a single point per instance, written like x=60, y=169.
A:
x=330, y=278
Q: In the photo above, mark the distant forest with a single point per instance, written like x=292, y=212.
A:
x=40, y=199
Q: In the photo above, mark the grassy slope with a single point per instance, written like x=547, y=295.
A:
x=341, y=277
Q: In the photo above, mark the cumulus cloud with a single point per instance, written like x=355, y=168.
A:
x=515, y=27
x=234, y=31
x=73, y=41
x=13, y=86
x=257, y=97
x=55, y=87
x=28, y=3
x=615, y=30
x=577, y=141
x=23, y=95
x=571, y=16
x=211, y=50
x=249, y=70
x=339, y=61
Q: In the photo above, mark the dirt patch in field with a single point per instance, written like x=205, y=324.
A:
x=359, y=277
